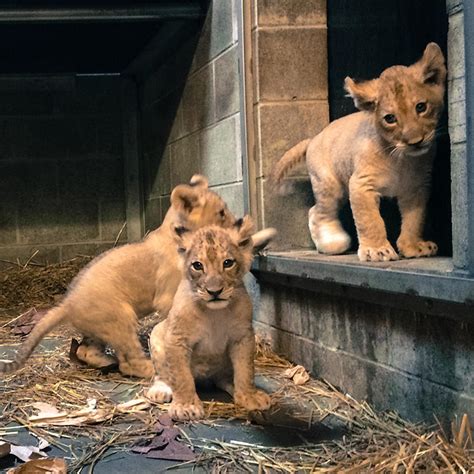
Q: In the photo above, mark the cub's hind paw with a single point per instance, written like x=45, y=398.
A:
x=254, y=400
x=159, y=392
x=422, y=248
x=186, y=411
x=384, y=253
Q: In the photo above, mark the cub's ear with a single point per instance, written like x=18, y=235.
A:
x=180, y=235
x=245, y=229
x=364, y=94
x=184, y=198
x=431, y=66
x=199, y=180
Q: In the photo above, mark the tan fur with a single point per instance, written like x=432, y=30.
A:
x=203, y=338
x=362, y=157
x=126, y=283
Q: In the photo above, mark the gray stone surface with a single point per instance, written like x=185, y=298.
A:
x=227, y=83
x=185, y=159
x=233, y=195
x=288, y=213
x=220, y=152
x=198, y=100
x=290, y=12
x=291, y=63
x=283, y=125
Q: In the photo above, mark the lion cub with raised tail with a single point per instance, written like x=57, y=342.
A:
x=208, y=333
x=386, y=149
x=106, y=299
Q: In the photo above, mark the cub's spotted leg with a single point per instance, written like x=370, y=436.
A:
x=92, y=352
x=365, y=204
x=324, y=224
x=186, y=404
x=246, y=394
x=410, y=243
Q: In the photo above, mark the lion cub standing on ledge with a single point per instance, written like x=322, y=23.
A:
x=386, y=149
x=208, y=333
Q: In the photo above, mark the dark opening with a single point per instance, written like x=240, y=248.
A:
x=364, y=38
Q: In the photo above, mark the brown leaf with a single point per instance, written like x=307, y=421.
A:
x=38, y=466
x=298, y=374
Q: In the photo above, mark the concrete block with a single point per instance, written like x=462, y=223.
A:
x=185, y=159
x=109, y=137
x=90, y=178
x=456, y=90
x=292, y=63
x=456, y=66
x=112, y=218
x=453, y=6
x=26, y=102
x=459, y=202
x=45, y=222
x=291, y=12
x=217, y=32
x=159, y=173
x=281, y=126
x=198, y=100
x=233, y=195
x=288, y=214
x=8, y=223
x=152, y=214
x=220, y=149
x=227, y=83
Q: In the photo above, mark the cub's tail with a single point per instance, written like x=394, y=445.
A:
x=290, y=159
x=51, y=319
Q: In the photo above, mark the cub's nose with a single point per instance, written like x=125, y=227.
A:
x=214, y=293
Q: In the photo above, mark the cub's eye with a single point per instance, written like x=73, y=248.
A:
x=222, y=213
x=420, y=107
x=228, y=263
x=390, y=118
x=198, y=266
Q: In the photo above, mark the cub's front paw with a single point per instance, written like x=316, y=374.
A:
x=254, y=400
x=186, y=411
x=383, y=253
x=421, y=248
x=159, y=392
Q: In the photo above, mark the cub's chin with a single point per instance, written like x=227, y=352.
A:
x=217, y=304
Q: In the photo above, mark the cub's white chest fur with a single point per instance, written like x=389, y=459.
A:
x=214, y=334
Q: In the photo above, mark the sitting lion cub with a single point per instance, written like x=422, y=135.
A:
x=208, y=333
x=386, y=149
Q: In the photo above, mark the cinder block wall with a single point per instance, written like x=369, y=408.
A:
x=289, y=45
x=61, y=167
x=190, y=116
x=419, y=364
x=457, y=128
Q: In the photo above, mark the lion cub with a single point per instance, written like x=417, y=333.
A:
x=208, y=333
x=386, y=149
x=129, y=282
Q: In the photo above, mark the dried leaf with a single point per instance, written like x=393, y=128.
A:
x=49, y=415
x=298, y=374
x=4, y=449
x=37, y=466
x=166, y=444
x=23, y=324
